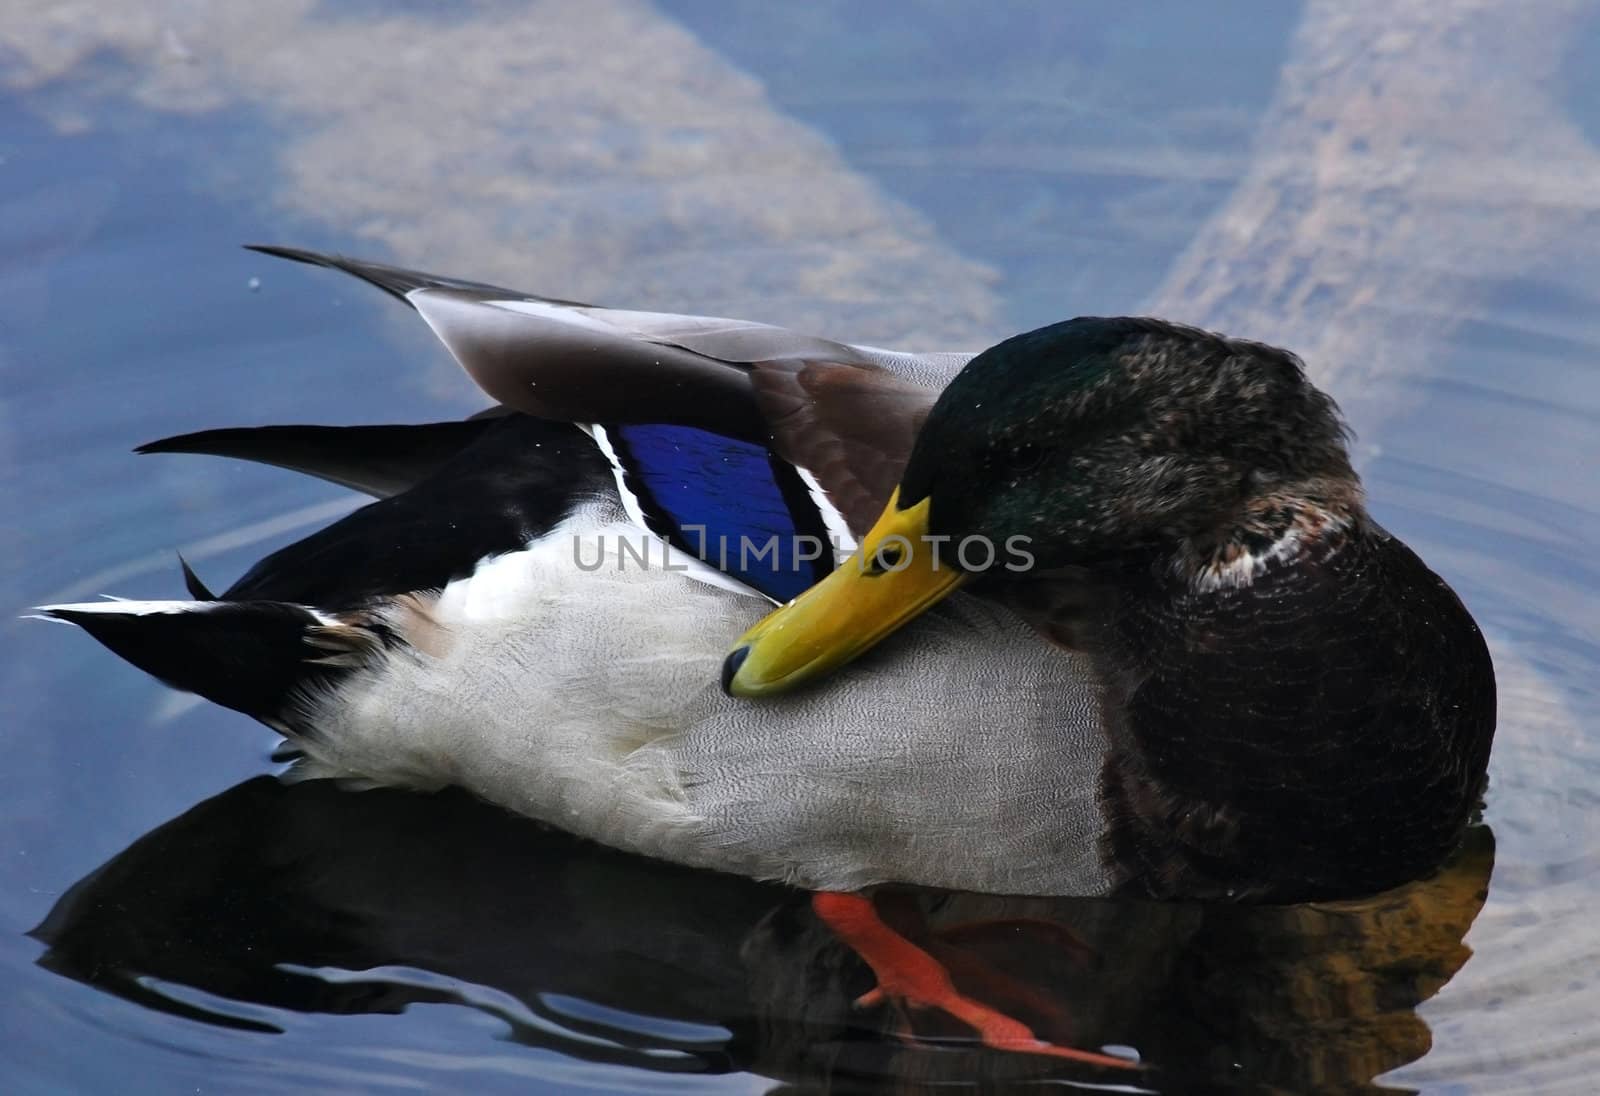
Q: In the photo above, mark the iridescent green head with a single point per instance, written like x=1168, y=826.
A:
x=1096, y=436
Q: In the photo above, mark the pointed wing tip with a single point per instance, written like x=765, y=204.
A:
x=399, y=281
x=393, y=280
x=296, y=254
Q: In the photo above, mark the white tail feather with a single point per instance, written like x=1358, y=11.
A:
x=123, y=607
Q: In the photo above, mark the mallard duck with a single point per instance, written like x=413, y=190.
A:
x=1099, y=610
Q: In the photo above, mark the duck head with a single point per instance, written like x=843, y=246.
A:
x=1094, y=444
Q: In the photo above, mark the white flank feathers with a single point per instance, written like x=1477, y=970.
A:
x=587, y=696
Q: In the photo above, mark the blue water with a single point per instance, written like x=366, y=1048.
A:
x=923, y=173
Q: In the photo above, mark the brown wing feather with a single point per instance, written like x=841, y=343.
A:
x=578, y=372
x=848, y=415
x=829, y=408
x=851, y=426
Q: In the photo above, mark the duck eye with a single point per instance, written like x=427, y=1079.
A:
x=1022, y=457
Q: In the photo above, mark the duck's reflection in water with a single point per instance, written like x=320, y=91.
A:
x=314, y=899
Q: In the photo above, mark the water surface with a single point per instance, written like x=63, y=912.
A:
x=1401, y=192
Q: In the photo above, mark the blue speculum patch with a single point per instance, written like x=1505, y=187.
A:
x=729, y=503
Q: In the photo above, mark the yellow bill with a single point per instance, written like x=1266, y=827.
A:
x=895, y=575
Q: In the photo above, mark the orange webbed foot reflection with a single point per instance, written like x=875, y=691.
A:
x=911, y=977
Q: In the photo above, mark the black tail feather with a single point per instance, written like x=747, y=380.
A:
x=377, y=460
x=251, y=656
x=191, y=581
